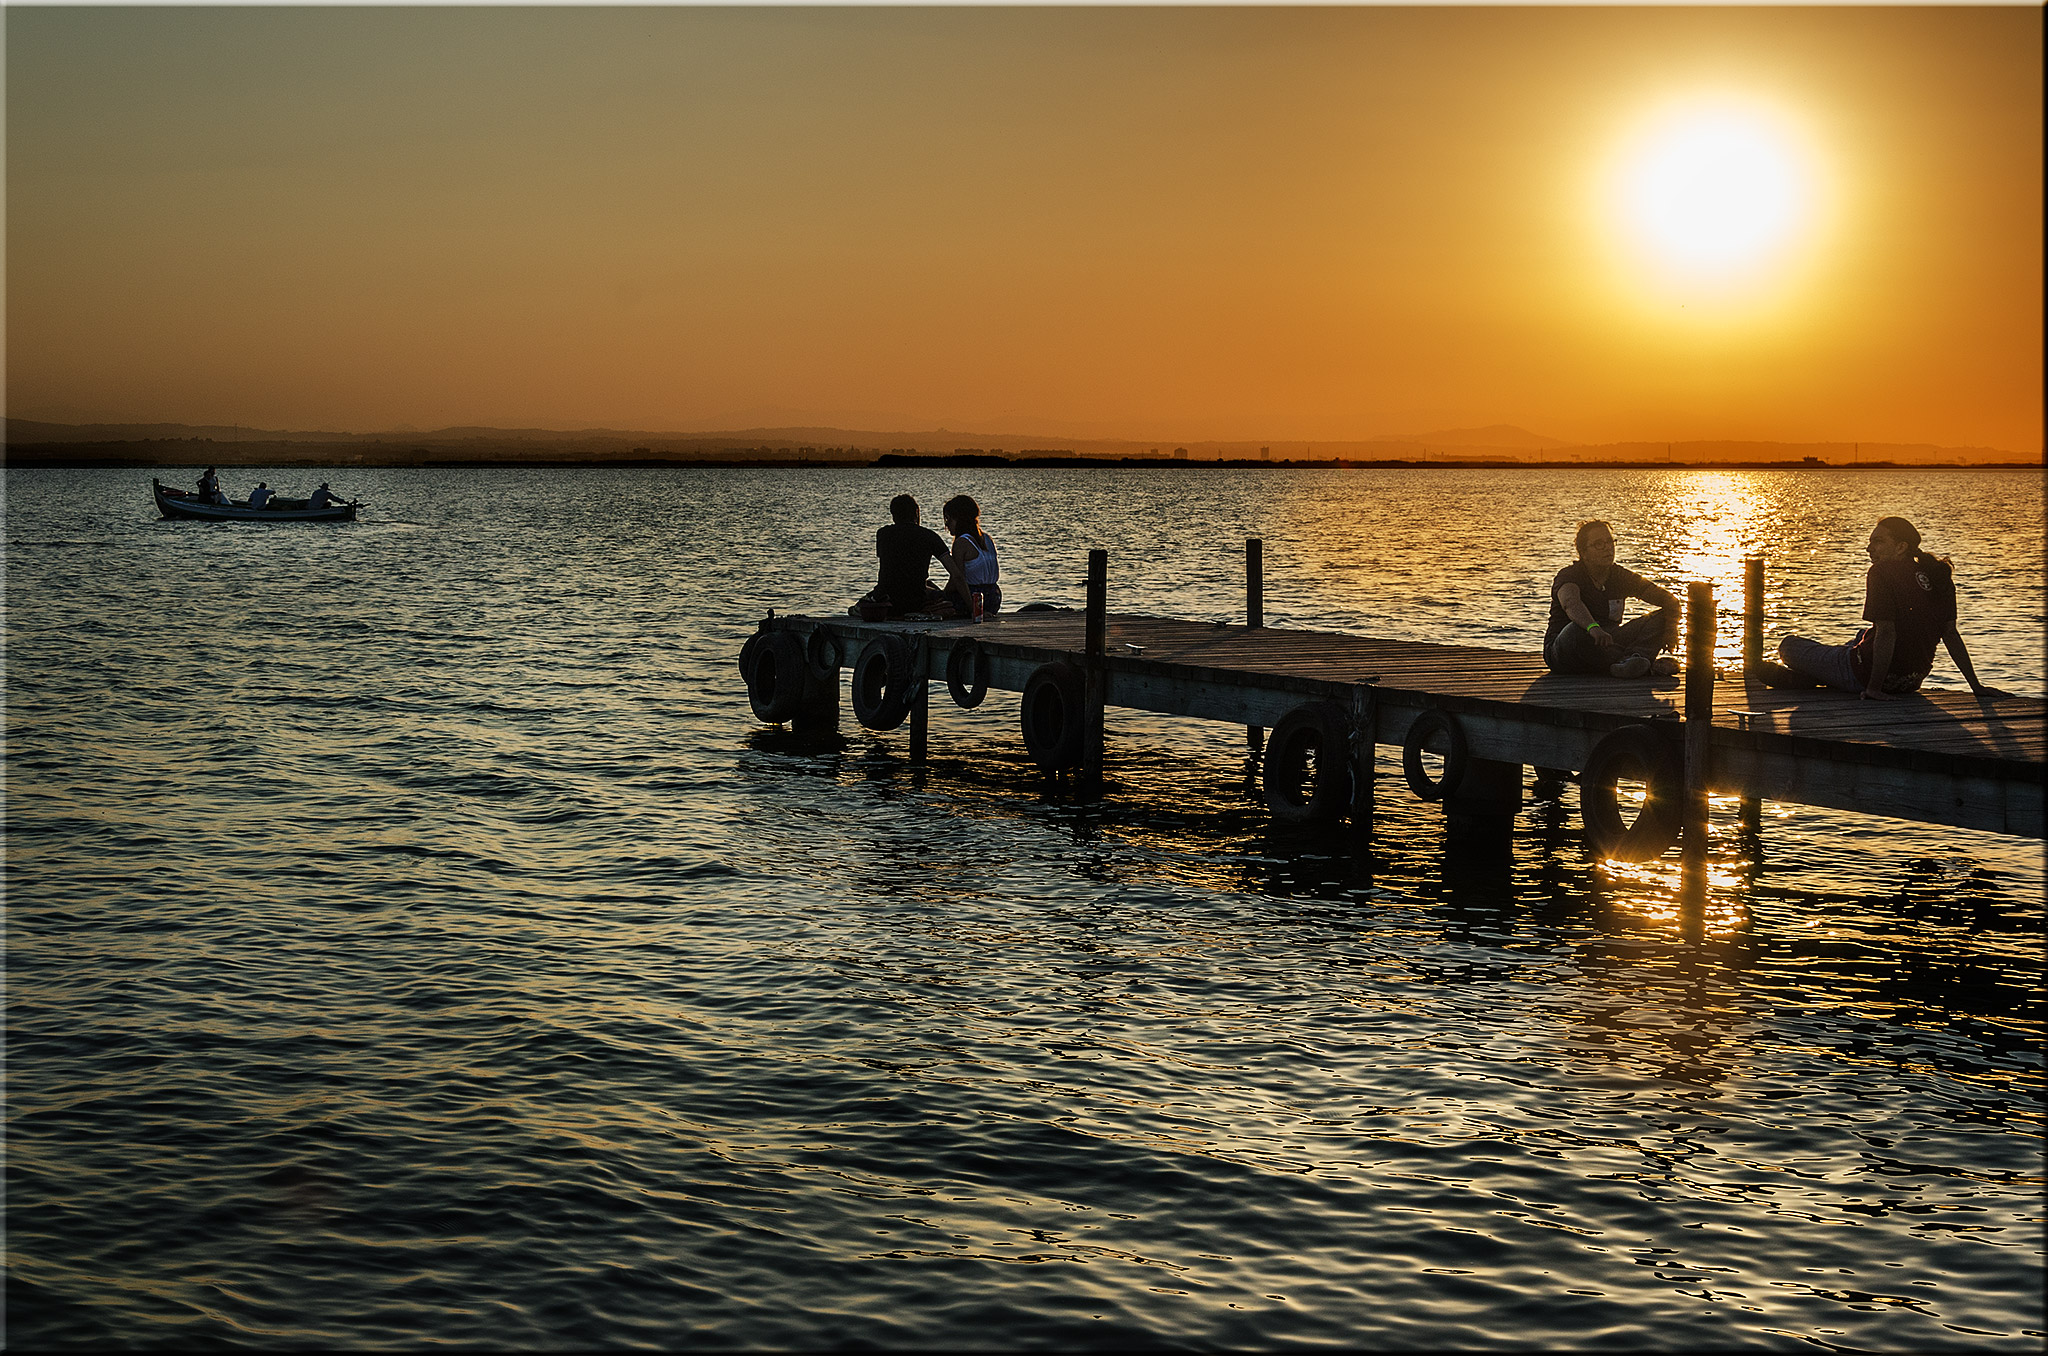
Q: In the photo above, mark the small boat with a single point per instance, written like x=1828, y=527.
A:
x=185, y=504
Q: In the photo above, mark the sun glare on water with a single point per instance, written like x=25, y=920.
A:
x=1713, y=195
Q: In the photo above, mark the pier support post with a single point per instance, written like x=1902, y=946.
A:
x=1096, y=680
x=920, y=721
x=1364, y=743
x=1479, y=817
x=1699, y=708
x=1254, y=618
x=819, y=714
x=1752, y=614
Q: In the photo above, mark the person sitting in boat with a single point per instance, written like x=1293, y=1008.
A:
x=209, y=488
x=322, y=498
x=1585, y=633
x=904, y=549
x=1909, y=599
x=974, y=556
x=261, y=495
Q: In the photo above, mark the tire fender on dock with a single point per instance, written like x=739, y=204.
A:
x=824, y=654
x=882, y=688
x=1435, y=731
x=1051, y=715
x=1642, y=754
x=967, y=673
x=1321, y=730
x=772, y=662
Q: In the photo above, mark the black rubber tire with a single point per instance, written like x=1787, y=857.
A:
x=1322, y=729
x=968, y=656
x=1640, y=752
x=882, y=690
x=1051, y=715
x=1457, y=754
x=775, y=686
x=747, y=653
x=823, y=653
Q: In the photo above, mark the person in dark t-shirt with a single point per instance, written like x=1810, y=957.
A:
x=905, y=550
x=1585, y=633
x=1909, y=599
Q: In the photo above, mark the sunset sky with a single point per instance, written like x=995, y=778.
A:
x=1598, y=224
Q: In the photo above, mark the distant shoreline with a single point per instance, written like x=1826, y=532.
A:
x=180, y=454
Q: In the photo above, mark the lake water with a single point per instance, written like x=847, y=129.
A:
x=412, y=939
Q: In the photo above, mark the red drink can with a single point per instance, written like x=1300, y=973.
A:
x=977, y=604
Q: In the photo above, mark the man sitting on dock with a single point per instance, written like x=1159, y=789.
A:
x=904, y=548
x=1585, y=633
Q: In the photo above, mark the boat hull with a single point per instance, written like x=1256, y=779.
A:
x=173, y=506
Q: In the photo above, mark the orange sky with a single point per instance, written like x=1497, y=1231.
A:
x=1175, y=224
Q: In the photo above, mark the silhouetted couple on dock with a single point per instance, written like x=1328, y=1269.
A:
x=905, y=550
x=1909, y=599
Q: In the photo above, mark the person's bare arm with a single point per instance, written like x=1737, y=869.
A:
x=1884, y=638
x=1960, y=652
x=1656, y=595
x=1575, y=608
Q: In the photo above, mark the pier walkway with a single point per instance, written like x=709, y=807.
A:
x=1938, y=757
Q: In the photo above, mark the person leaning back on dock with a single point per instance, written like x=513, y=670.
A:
x=1909, y=599
x=904, y=547
x=1585, y=633
x=974, y=555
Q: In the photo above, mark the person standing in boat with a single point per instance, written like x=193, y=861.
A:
x=1585, y=633
x=209, y=488
x=322, y=498
x=974, y=557
x=1909, y=599
x=261, y=495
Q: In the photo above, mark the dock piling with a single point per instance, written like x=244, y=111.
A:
x=1094, y=643
x=1254, y=618
x=1699, y=707
x=1363, y=744
x=1752, y=614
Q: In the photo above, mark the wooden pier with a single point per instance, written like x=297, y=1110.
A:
x=1329, y=700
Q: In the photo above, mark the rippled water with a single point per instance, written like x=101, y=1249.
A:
x=411, y=938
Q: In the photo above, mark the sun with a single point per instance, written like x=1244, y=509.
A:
x=1713, y=192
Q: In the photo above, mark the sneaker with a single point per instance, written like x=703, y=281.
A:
x=1663, y=666
x=1635, y=666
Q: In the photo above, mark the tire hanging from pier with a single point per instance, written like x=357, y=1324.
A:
x=1294, y=795
x=1640, y=753
x=882, y=686
x=824, y=654
x=967, y=673
x=1051, y=715
x=1444, y=728
x=772, y=663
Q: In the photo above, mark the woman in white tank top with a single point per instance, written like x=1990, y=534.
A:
x=974, y=551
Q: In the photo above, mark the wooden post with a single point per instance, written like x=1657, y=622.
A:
x=920, y=721
x=1699, y=708
x=1254, y=618
x=1364, y=712
x=1752, y=614
x=1096, y=679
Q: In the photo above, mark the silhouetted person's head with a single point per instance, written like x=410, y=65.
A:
x=962, y=514
x=903, y=509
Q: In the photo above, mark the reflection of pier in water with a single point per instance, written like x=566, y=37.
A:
x=1948, y=758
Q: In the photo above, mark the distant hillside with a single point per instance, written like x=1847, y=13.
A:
x=1492, y=436
x=35, y=443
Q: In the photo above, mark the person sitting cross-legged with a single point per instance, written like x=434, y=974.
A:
x=1586, y=633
